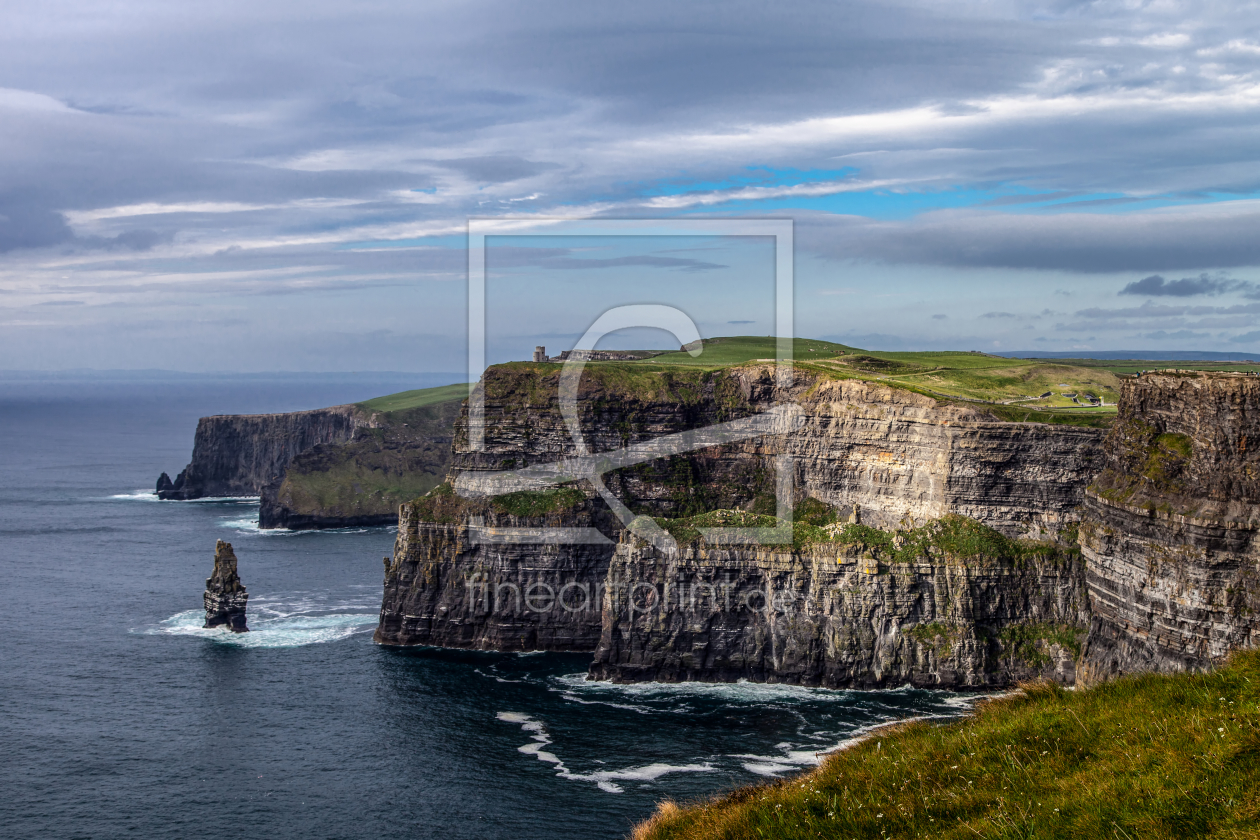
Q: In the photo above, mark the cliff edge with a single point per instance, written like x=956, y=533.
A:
x=1170, y=526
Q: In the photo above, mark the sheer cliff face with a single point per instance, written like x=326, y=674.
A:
x=452, y=585
x=901, y=457
x=836, y=616
x=1170, y=531
x=240, y=454
x=906, y=459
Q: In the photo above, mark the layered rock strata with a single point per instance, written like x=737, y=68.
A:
x=905, y=458
x=225, y=597
x=836, y=616
x=1170, y=527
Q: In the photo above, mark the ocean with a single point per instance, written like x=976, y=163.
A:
x=121, y=717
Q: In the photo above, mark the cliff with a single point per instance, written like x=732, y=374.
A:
x=904, y=459
x=395, y=457
x=461, y=578
x=1170, y=527
x=948, y=605
x=240, y=454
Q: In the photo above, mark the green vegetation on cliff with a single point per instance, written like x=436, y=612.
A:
x=952, y=536
x=1143, y=757
x=1073, y=391
x=444, y=506
x=403, y=455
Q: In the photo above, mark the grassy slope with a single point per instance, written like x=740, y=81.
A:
x=416, y=399
x=1143, y=757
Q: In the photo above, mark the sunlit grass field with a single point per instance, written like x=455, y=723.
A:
x=1142, y=757
x=1046, y=390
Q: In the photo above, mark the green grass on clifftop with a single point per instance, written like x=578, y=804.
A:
x=1141, y=758
x=417, y=399
x=738, y=350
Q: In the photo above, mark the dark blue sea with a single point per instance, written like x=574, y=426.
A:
x=120, y=717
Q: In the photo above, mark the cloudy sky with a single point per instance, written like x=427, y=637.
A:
x=271, y=186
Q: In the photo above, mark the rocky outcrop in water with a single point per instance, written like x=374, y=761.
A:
x=1170, y=527
x=240, y=454
x=225, y=597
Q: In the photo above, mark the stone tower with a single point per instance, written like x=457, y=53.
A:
x=540, y=354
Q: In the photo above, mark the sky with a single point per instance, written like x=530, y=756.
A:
x=265, y=186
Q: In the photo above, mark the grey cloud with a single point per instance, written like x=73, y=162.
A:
x=1204, y=284
x=1247, y=338
x=1000, y=315
x=31, y=228
x=741, y=322
x=1179, y=335
x=939, y=317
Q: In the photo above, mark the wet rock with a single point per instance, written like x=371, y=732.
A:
x=225, y=596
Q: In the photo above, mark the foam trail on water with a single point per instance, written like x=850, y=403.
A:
x=605, y=780
x=250, y=526
x=137, y=496
x=742, y=691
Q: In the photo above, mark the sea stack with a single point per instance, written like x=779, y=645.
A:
x=225, y=596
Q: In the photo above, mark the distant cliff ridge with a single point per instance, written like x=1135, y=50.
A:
x=240, y=454
x=349, y=465
x=398, y=456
